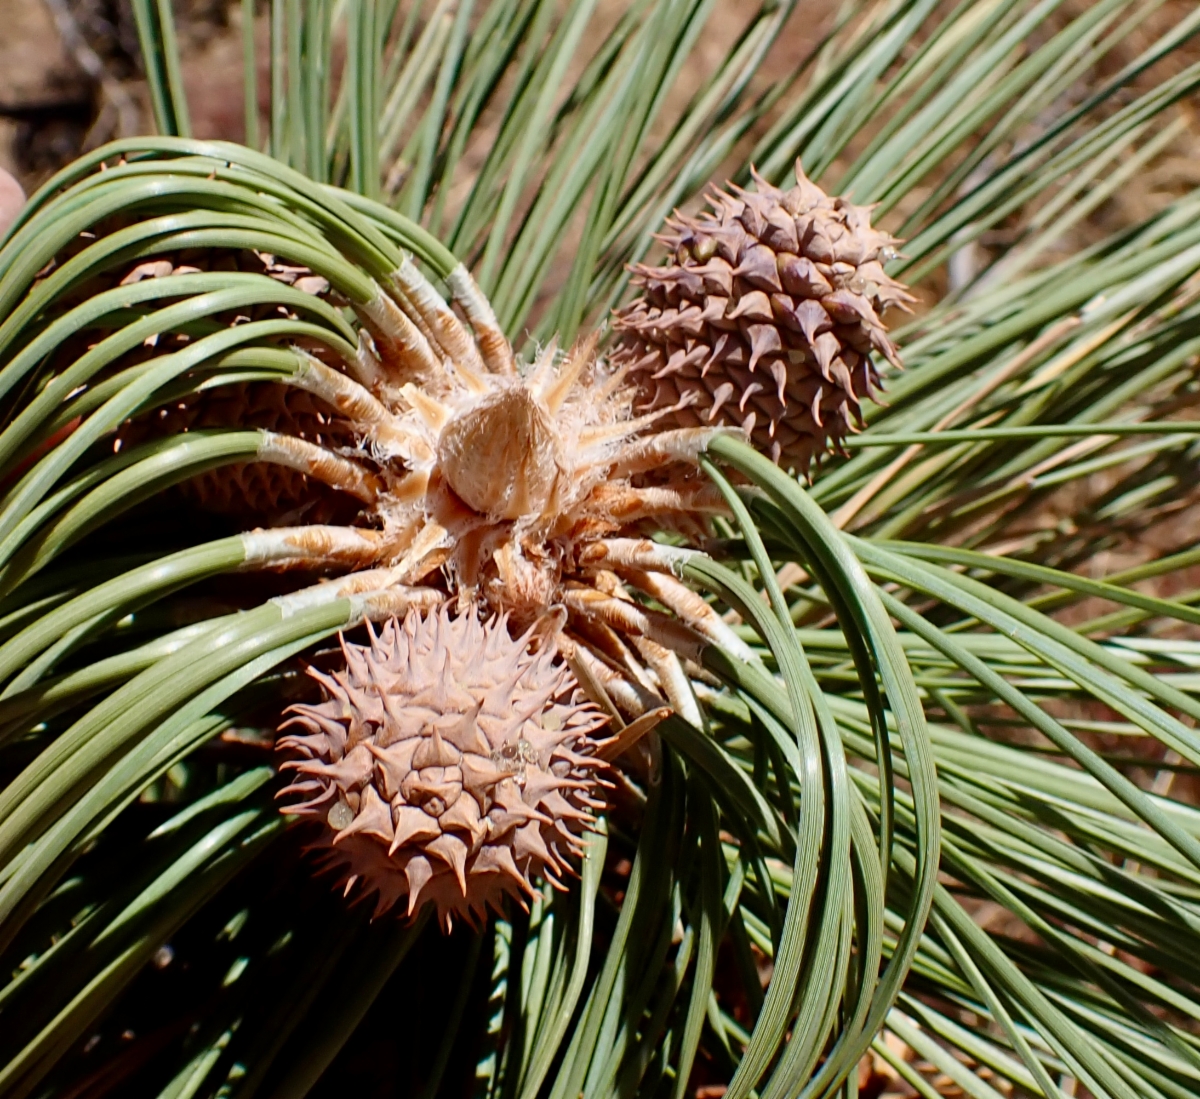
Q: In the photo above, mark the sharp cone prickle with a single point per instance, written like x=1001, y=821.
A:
x=766, y=316
x=449, y=765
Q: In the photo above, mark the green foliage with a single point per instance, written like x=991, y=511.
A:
x=917, y=734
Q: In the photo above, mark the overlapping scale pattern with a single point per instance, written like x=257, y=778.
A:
x=766, y=316
x=272, y=494
x=449, y=765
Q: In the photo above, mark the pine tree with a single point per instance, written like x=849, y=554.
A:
x=880, y=774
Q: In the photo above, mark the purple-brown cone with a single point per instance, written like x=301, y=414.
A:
x=766, y=317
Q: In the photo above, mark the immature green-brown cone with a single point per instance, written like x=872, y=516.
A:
x=270, y=493
x=449, y=765
x=766, y=317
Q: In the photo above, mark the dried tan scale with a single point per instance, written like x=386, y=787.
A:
x=449, y=765
x=506, y=477
x=766, y=315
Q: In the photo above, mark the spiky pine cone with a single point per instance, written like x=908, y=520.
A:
x=765, y=316
x=449, y=764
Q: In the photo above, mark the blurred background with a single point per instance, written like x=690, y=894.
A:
x=70, y=79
